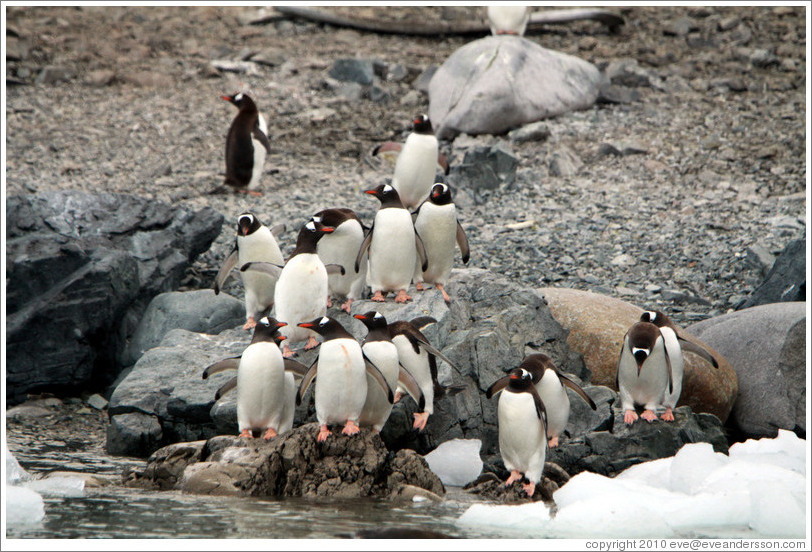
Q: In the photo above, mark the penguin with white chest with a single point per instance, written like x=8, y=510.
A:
x=674, y=346
x=340, y=374
x=522, y=420
x=255, y=242
x=247, y=145
x=437, y=225
x=643, y=372
x=379, y=349
x=341, y=247
x=550, y=384
x=508, y=20
x=393, y=247
x=416, y=164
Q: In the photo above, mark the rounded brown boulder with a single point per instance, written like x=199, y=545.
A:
x=597, y=323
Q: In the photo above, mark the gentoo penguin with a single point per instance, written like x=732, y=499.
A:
x=419, y=357
x=261, y=384
x=341, y=247
x=340, y=372
x=521, y=419
x=301, y=291
x=379, y=349
x=247, y=145
x=510, y=20
x=550, y=383
x=674, y=345
x=416, y=164
x=643, y=372
x=393, y=247
x=438, y=227
x=255, y=243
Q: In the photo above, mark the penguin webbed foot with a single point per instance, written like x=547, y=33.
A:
x=420, y=420
x=529, y=488
x=350, y=428
x=446, y=298
x=402, y=297
x=378, y=296
x=515, y=475
x=312, y=343
x=419, y=286
x=254, y=193
x=250, y=323
x=287, y=352
x=247, y=433
x=648, y=415
x=630, y=416
x=552, y=442
x=668, y=415
x=324, y=432
x=329, y=302
x=270, y=433
x=346, y=306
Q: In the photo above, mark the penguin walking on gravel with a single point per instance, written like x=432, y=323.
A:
x=550, y=385
x=416, y=163
x=379, y=349
x=247, y=145
x=419, y=357
x=508, y=20
x=341, y=247
x=643, y=372
x=255, y=242
x=340, y=373
x=522, y=421
x=437, y=225
x=393, y=247
x=674, y=345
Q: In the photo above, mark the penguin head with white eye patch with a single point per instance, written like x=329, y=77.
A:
x=440, y=194
x=372, y=319
x=642, y=337
x=387, y=195
x=267, y=329
x=247, y=224
x=241, y=100
x=422, y=124
x=520, y=379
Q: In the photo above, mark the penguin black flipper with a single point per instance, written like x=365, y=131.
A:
x=422, y=321
x=364, y=248
x=296, y=368
x=376, y=374
x=668, y=369
x=225, y=388
x=578, y=389
x=225, y=270
x=410, y=385
x=432, y=350
x=334, y=268
x=278, y=229
x=541, y=412
x=421, y=252
x=497, y=386
x=695, y=348
x=261, y=137
x=462, y=242
x=261, y=266
x=306, y=381
x=230, y=363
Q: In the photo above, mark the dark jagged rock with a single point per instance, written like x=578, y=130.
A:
x=81, y=269
x=786, y=280
x=293, y=464
x=491, y=486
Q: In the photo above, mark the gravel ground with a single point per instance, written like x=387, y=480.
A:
x=125, y=100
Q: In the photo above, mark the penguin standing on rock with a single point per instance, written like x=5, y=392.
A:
x=550, y=383
x=340, y=373
x=247, y=145
x=674, y=345
x=643, y=372
x=416, y=163
x=255, y=243
x=508, y=20
x=522, y=422
x=341, y=247
x=437, y=225
x=393, y=247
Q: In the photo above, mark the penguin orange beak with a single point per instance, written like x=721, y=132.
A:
x=327, y=229
x=281, y=324
x=281, y=338
x=306, y=325
x=226, y=98
x=371, y=192
x=360, y=317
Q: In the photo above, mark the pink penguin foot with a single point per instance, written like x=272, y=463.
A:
x=515, y=475
x=246, y=433
x=402, y=296
x=648, y=415
x=346, y=306
x=398, y=396
x=420, y=420
x=249, y=323
x=446, y=298
x=324, y=432
x=378, y=296
x=350, y=428
x=668, y=415
x=287, y=352
x=630, y=416
x=529, y=489
x=270, y=433
x=419, y=286
x=312, y=343
x=552, y=442
x=250, y=192
x=329, y=302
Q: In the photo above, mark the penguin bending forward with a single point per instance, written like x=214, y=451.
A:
x=643, y=372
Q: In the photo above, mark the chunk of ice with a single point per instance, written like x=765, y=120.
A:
x=23, y=506
x=456, y=462
x=15, y=473
x=529, y=520
x=692, y=464
x=58, y=486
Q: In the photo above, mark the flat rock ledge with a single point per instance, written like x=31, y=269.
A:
x=293, y=464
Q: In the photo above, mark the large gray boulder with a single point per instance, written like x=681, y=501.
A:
x=767, y=347
x=786, y=280
x=81, y=269
x=498, y=83
x=293, y=464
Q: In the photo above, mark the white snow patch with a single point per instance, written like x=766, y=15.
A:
x=15, y=474
x=761, y=488
x=23, y=506
x=456, y=462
